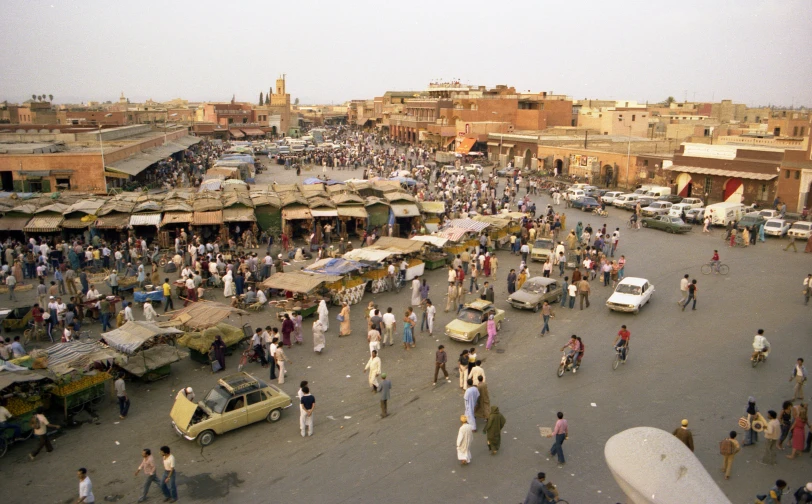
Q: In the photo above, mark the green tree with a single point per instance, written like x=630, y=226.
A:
x=668, y=101
x=33, y=97
x=267, y=99
x=261, y=101
x=50, y=97
x=296, y=101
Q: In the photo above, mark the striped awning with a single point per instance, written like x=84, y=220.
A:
x=453, y=234
x=153, y=219
x=44, y=224
x=720, y=172
x=468, y=225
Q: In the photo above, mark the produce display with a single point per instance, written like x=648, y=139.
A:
x=18, y=406
x=86, y=381
x=201, y=341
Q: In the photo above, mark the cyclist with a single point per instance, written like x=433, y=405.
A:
x=715, y=262
x=760, y=345
x=622, y=341
x=572, y=348
x=633, y=220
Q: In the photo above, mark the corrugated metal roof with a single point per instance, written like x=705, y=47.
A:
x=177, y=218
x=145, y=220
x=239, y=214
x=113, y=221
x=296, y=213
x=207, y=218
x=468, y=224
x=147, y=206
x=719, y=172
x=405, y=209
x=121, y=206
x=89, y=207
x=44, y=223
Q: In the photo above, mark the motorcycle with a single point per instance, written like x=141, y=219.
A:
x=249, y=355
x=567, y=364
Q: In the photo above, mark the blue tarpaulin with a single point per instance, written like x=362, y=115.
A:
x=335, y=266
x=312, y=180
x=334, y=182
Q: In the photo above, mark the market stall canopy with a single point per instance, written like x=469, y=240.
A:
x=324, y=212
x=399, y=196
x=113, y=221
x=132, y=335
x=399, y=245
x=296, y=213
x=224, y=171
x=452, y=233
x=176, y=205
x=469, y=225
x=152, y=358
x=78, y=222
x=48, y=223
x=14, y=223
x=211, y=185
x=66, y=357
x=368, y=254
x=493, y=221
x=433, y=207
x=334, y=266
x=54, y=207
x=176, y=218
x=147, y=207
x=145, y=220
x=239, y=214
x=9, y=378
x=298, y=281
x=118, y=206
x=85, y=206
x=207, y=218
x=203, y=314
x=353, y=211
x=405, y=209
x=346, y=199
x=437, y=241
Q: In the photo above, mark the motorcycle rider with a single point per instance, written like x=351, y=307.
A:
x=572, y=348
x=760, y=345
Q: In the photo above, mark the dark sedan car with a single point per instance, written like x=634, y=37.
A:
x=586, y=203
x=671, y=198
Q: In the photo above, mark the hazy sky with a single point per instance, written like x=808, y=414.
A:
x=756, y=52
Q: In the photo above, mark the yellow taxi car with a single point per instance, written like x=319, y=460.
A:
x=237, y=400
x=471, y=323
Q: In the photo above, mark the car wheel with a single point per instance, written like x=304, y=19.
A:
x=205, y=438
x=536, y=308
x=644, y=224
x=636, y=310
x=475, y=340
x=274, y=415
x=499, y=326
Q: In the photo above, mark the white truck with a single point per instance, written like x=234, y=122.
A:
x=723, y=213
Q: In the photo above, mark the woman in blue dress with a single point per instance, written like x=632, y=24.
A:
x=408, y=340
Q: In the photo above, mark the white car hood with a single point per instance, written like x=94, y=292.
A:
x=624, y=299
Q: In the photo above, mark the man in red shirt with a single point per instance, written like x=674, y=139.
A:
x=622, y=341
x=39, y=322
x=715, y=261
x=460, y=276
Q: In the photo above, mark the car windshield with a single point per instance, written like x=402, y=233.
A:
x=802, y=227
x=773, y=224
x=629, y=289
x=545, y=244
x=470, y=316
x=535, y=287
x=590, y=201
x=676, y=220
x=216, y=399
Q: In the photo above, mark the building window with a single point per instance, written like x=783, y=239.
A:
x=802, y=131
x=795, y=131
x=763, y=194
x=786, y=173
x=244, y=120
x=633, y=117
x=230, y=120
x=777, y=132
x=645, y=162
x=708, y=185
x=63, y=183
x=797, y=174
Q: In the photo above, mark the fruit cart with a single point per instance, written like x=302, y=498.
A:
x=348, y=290
x=199, y=342
x=303, y=284
x=76, y=392
x=433, y=255
x=22, y=391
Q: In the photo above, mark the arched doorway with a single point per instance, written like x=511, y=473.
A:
x=606, y=174
x=684, y=185
x=510, y=154
x=734, y=189
x=273, y=130
x=528, y=156
x=559, y=167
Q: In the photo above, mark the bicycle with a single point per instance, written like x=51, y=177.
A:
x=599, y=212
x=619, y=356
x=29, y=335
x=630, y=224
x=398, y=284
x=722, y=269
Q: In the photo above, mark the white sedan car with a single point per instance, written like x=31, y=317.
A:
x=776, y=227
x=801, y=230
x=630, y=295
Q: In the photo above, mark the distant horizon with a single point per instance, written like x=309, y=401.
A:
x=749, y=51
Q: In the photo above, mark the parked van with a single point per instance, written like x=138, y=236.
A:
x=623, y=199
x=573, y=194
x=656, y=192
x=723, y=213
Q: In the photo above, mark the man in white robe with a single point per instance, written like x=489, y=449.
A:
x=465, y=437
x=373, y=367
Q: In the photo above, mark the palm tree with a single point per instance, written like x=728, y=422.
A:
x=50, y=97
x=33, y=97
